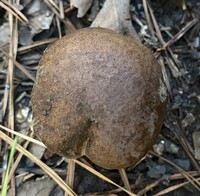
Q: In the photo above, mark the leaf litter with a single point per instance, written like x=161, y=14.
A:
x=170, y=29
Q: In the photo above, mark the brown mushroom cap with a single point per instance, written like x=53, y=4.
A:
x=99, y=94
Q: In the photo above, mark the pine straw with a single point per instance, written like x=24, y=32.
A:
x=47, y=169
x=15, y=16
x=70, y=174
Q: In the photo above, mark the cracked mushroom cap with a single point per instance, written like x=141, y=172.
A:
x=99, y=94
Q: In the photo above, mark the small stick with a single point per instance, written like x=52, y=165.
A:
x=125, y=180
x=70, y=174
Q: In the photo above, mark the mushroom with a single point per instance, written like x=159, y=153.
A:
x=100, y=94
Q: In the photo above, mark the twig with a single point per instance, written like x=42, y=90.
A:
x=102, y=176
x=70, y=173
x=173, y=188
x=176, y=37
x=15, y=12
x=66, y=21
x=36, y=44
x=149, y=23
x=22, y=68
x=17, y=160
x=190, y=178
x=23, y=136
x=125, y=179
x=48, y=170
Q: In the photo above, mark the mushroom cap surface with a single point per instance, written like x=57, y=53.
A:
x=100, y=94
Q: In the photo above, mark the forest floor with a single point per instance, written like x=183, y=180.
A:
x=171, y=29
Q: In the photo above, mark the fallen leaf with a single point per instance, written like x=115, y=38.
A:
x=36, y=150
x=82, y=5
x=40, y=188
x=4, y=34
x=115, y=15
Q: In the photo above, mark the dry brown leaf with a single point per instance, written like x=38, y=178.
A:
x=115, y=15
x=82, y=5
x=37, y=151
x=4, y=34
x=41, y=187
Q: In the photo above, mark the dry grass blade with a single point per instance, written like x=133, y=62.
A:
x=102, y=177
x=171, y=64
x=61, y=8
x=47, y=169
x=70, y=173
x=180, y=175
x=174, y=69
x=149, y=187
x=172, y=188
x=17, y=160
x=80, y=163
x=187, y=175
x=11, y=156
x=156, y=26
x=188, y=149
x=18, y=12
x=165, y=77
x=36, y=44
x=13, y=44
x=53, y=4
x=71, y=28
x=54, y=9
x=125, y=179
x=5, y=97
x=23, y=136
x=148, y=17
x=58, y=27
x=10, y=11
x=181, y=32
x=13, y=13
x=23, y=69
x=172, y=177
